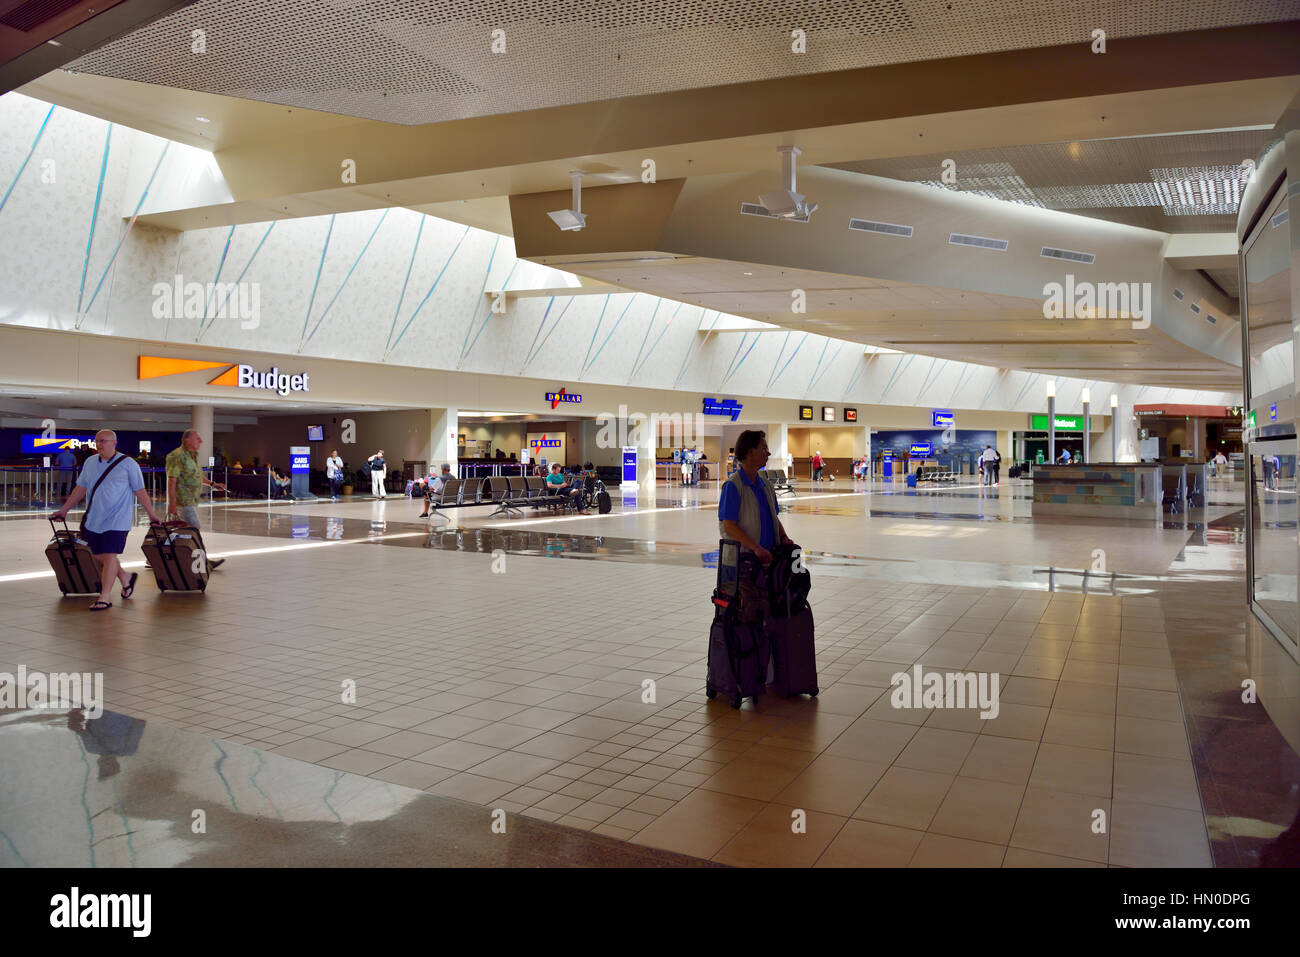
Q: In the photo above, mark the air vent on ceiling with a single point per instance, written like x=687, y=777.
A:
x=980, y=242
x=885, y=229
x=1211, y=320
x=1069, y=255
x=753, y=209
x=30, y=15
x=1178, y=294
x=1196, y=309
x=1280, y=218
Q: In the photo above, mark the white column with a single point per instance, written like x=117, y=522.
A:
x=201, y=422
x=643, y=435
x=778, y=443
x=443, y=425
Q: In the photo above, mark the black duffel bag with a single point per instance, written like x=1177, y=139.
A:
x=787, y=575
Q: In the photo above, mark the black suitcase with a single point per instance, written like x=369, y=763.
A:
x=790, y=627
x=602, y=502
x=738, y=647
x=74, y=566
x=177, y=557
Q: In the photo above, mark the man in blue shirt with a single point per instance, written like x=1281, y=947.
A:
x=747, y=506
x=111, y=511
x=67, y=466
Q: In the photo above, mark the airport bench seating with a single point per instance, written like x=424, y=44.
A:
x=935, y=473
x=510, y=494
x=777, y=480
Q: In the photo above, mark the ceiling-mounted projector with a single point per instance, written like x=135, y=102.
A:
x=571, y=219
x=787, y=203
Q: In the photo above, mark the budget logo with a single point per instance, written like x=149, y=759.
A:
x=1093, y=300
x=728, y=407
x=240, y=376
x=179, y=299
x=555, y=398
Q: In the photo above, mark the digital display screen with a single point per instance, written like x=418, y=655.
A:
x=828, y=413
x=315, y=433
x=850, y=415
x=805, y=413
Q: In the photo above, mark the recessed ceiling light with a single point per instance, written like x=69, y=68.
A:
x=54, y=43
x=203, y=119
x=749, y=274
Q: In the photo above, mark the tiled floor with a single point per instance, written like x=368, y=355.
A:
x=487, y=673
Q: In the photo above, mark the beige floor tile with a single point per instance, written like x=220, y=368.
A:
x=905, y=797
x=1162, y=739
x=1035, y=666
x=933, y=749
x=832, y=784
x=868, y=844
x=1143, y=703
x=310, y=749
x=940, y=850
x=1144, y=835
x=1144, y=779
x=1153, y=679
x=770, y=838
x=1017, y=721
x=1009, y=760
x=354, y=734
x=955, y=719
x=1092, y=698
x=1081, y=671
x=1024, y=690
x=700, y=824
x=1061, y=823
x=979, y=810
x=458, y=755
x=1080, y=728
x=1146, y=657
x=1019, y=857
x=1063, y=767
x=412, y=774
x=358, y=761
x=472, y=787
x=870, y=740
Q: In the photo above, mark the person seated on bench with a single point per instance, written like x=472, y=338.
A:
x=434, y=487
x=558, y=484
x=279, y=484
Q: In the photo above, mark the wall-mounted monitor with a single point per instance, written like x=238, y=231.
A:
x=828, y=413
x=805, y=413
x=315, y=433
x=850, y=415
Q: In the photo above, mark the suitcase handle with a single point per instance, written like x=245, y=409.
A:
x=55, y=528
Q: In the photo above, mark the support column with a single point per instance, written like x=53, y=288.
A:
x=443, y=426
x=778, y=443
x=201, y=421
x=1087, y=428
x=643, y=435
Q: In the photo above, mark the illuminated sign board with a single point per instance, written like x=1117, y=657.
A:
x=728, y=407
x=1071, y=423
x=38, y=444
x=850, y=415
x=555, y=398
x=239, y=376
x=921, y=450
x=942, y=418
x=805, y=413
x=828, y=413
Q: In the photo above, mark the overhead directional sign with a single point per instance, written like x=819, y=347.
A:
x=942, y=418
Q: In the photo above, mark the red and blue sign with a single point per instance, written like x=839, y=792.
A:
x=555, y=398
x=544, y=443
x=724, y=407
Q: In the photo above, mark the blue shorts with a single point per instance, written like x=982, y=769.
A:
x=106, y=543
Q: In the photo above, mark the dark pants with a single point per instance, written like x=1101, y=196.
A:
x=817, y=473
x=336, y=486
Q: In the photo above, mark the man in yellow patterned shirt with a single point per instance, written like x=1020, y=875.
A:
x=185, y=481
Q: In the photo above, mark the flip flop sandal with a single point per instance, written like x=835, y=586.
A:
x=129, y=590
x=101, y=606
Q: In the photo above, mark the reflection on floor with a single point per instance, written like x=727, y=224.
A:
x=485, y=674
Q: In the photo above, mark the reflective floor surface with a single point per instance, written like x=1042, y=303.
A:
x=351, y=649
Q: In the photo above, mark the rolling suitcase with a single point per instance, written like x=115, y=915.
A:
x=790, y=628
x=74, y=567
x=603, y=503
x=738, y=647
x=176, y=554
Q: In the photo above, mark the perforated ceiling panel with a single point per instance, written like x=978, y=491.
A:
x=421, y=61
x=1177, y=184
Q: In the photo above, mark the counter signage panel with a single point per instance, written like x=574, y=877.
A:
x=299, y=460
x=805, y=413
x=943, y=419
x=1071, y=423
x=921, y=450
x=850, y=415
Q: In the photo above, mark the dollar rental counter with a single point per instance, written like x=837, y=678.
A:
x=1131, y=490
